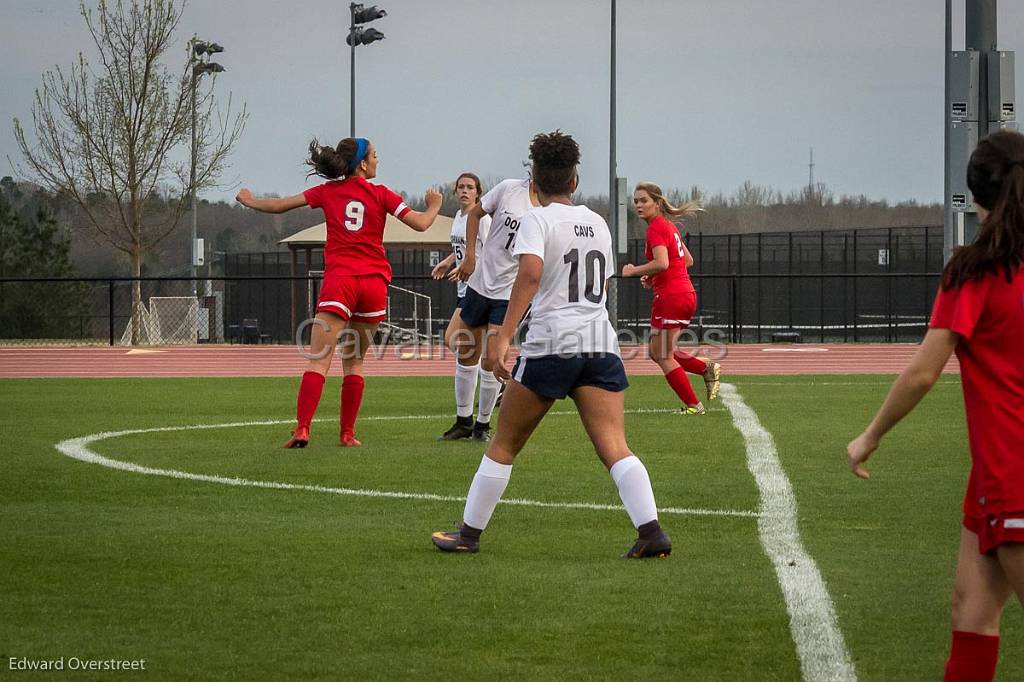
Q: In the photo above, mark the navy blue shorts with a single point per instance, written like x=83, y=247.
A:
x=554, y=376
x=478, y=310
x=459, y=302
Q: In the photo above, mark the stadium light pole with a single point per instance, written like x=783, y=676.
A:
x=199, y=54
x=360, y=36
x=613, y=213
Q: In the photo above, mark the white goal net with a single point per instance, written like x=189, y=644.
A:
x=169, y=320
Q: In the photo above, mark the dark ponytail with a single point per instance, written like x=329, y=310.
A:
x=331, y=162
x=995, y=176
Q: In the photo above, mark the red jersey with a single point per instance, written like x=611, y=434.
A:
x=356, y=211
x=988, y=315
x=661, y=232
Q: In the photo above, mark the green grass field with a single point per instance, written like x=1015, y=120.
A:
x=204, y=580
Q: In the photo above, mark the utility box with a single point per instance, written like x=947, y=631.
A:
x=963, y=138
x=964, y=77
x=1001, y=89
x=199, y=252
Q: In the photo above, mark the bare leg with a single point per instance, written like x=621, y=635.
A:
x=517, y=421
x=980, y=590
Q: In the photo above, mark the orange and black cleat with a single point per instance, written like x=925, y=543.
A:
x=457, y=541
x=657, y=545
x=299, y=439
x=348, y=440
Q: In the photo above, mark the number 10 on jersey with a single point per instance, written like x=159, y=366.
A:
x=593, y=287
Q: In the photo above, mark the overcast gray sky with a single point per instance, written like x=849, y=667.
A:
x=710, y=92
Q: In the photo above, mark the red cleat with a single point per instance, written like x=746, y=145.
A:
x=348, y=440
x=299, y=439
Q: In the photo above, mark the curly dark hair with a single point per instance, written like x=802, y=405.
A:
x=555, y=157
x=995, y=176
x=331, y=162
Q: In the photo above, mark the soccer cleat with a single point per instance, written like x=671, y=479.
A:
x=481, y=433
x=453, y=541
x=501, y=394
x=712, y=379
x=348, y=440
x=299, y=439
x=659, y=546
x=693, y=409
x=462, y=428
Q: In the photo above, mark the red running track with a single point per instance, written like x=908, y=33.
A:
x=286, y=361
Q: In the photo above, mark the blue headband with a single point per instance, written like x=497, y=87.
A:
x=362, y=144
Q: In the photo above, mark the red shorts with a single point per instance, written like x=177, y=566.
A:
x=672, y=310
x=996, y=529
x=362, y=298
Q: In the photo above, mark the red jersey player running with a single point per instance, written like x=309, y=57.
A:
x=675, y=299
x=353, y=299
x=979, y=313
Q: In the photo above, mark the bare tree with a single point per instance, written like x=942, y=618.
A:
x=114, y=138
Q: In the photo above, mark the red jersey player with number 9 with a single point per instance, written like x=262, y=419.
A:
x=353, y=298
x=979, y=313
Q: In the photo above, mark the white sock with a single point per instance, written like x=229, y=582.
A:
x=488, y=485
x=489, y=387
x=465, y=388
x=630, y=475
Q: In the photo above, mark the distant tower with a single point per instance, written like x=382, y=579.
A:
x=810, y=172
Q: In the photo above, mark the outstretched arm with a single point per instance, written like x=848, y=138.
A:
x=421, y=221
x=270, y=204
x=909, y=388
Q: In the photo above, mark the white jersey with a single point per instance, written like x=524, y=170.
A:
x=459, y=241
x=496, y=267
x=568, y=316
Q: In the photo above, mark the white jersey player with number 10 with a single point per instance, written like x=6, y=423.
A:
x=565, y=258
x=568, y=316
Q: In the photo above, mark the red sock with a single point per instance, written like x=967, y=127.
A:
x=973, y=657
x=690, y=363
x=309, y=397
x=351, y=398
x=680, y=383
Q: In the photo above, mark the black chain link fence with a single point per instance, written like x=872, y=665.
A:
x=856, y=285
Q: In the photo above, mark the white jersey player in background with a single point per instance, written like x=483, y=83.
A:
x=565, y=259
x=465, y=344
x=490, y=278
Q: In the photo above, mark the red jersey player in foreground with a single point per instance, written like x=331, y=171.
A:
x=979, y=314
x=353, y=298
x=565, y=258
x=675, y=299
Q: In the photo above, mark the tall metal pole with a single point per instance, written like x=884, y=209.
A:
x=352, y=74
x=192, y=176
x=613, y=212
x=981, y=36
x=949, y=229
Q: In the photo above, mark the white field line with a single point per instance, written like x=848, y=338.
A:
x=79, y=448
x=812, y=618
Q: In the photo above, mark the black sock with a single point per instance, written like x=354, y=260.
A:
x=649, y=530
x=480, y=426
x=464, y=421
x=469, y=532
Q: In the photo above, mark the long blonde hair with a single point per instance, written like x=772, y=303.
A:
x=688, y=209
